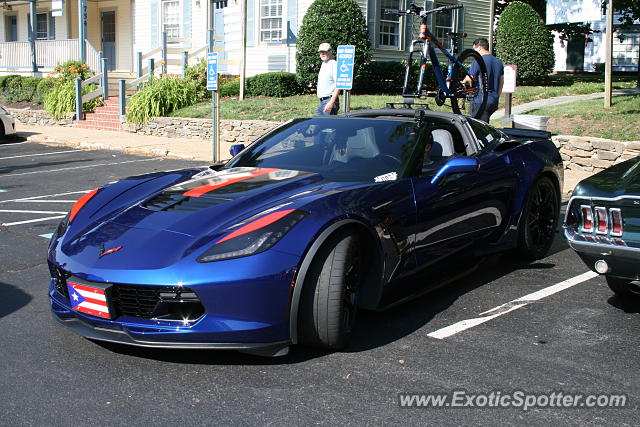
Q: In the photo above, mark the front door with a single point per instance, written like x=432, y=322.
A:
x=575, y=54
x=109, y=38
x=12, y=28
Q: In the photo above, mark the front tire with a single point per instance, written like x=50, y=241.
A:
x=329, y=299
x=539, y=219
x=623, y=288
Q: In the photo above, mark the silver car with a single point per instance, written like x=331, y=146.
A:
x=7, y=123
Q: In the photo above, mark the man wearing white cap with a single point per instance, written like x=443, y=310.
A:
x=327, y=92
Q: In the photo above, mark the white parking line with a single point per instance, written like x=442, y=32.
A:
x=511, y=306
x=39, y=154
x=79, y=167
x=33, y=212
x=25, y=199
x=14, y=143
x=8, y=224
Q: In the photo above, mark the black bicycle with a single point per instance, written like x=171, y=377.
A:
x=460, y=84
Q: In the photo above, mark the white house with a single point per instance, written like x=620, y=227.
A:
x=122, y=28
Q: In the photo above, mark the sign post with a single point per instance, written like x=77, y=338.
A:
x=345, y=59
x=509, y=88
x=212, y=85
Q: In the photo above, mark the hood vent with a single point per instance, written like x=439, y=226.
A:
x=175, y=201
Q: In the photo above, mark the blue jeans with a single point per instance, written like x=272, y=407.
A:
x=334, y=110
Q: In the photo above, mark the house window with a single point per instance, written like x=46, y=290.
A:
x=171, y=18
x=42, y=26
x=442, y=23
x=270, y=20
x=389, y=34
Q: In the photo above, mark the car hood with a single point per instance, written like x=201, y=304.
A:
x=177, y=220
x=619, y=180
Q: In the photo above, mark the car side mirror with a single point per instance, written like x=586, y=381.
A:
x=455, y=165
x=236, y=149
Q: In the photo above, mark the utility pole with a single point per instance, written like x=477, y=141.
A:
x=32, y=35
x=608, y=63
x=243, y=46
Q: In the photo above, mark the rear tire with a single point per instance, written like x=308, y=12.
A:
x=463, y=95
x=623, y=288
x=329, y=296
x=539, y=220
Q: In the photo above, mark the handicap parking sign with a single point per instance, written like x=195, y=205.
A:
x=212, y=71
x=345, y=58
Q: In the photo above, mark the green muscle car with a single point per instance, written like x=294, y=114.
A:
x=602, y=225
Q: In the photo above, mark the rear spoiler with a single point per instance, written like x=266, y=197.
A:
x=527, y=133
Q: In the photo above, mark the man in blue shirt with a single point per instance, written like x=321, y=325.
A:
x=495, y=80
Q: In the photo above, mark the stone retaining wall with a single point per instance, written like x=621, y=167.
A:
x=594, y=154
x=39, y=117
x=231, y=131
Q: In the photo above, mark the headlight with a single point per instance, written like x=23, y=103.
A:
x=62, y=227
x=3, y=111
x=255, y=237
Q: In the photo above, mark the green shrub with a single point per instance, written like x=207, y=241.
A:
x=160, y=98
x=197, y=73
x=337, y=22
x=524, y=40
x=61, y=99
x=278, y=84
x=44, y=86
x=229, y=87
x=71, y=70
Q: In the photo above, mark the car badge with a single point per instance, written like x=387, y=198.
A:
x=108, y=251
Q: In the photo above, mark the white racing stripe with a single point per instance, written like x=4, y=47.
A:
x=32, y=212
x=511, y=306
x=8, y=224
x=39, y=154
x=79, y=167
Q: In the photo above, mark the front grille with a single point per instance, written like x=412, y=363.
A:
x=135, y=300
x=60, y=280
x=156, y=302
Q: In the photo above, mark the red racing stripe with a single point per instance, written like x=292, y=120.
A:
x=257, y=224
x=203, y=189
x=80, y=203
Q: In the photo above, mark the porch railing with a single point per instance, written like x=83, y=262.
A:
x=49, y=53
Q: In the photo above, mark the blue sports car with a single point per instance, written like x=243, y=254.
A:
x=283, y=243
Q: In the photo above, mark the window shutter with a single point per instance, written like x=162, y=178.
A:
x=251, y=23
x=52, y=27
x=186, y=20
x=155, y=37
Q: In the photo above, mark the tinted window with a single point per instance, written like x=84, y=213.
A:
x=485, y=133
x=342, y=149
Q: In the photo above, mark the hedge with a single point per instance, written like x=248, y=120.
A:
x=278, y=85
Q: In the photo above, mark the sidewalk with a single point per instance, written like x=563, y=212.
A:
x=559, y=100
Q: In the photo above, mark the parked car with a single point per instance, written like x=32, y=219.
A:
x=284, y=242
x=7, y=123
x=602, y=225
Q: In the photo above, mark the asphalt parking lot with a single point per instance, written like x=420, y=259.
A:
x=537, y=327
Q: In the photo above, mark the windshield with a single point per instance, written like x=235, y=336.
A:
x=340, y=149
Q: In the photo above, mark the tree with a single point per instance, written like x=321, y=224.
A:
x=336, y=22
x=524, y=40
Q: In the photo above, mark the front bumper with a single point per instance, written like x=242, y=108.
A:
x=623, y=261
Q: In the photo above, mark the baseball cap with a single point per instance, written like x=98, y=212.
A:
x=324, y=47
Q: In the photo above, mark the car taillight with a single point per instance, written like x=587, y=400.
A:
x=616, y=222
x=587, y=219
x=602, y=223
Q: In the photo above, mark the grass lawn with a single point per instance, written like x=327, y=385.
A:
x=281, y=109
x=589, y=118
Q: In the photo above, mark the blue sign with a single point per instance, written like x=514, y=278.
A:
x=212, y=71
x=345, y=58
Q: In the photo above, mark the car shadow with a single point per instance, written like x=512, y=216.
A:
x=10, y=169
x=627, y=305
x=13, y=299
